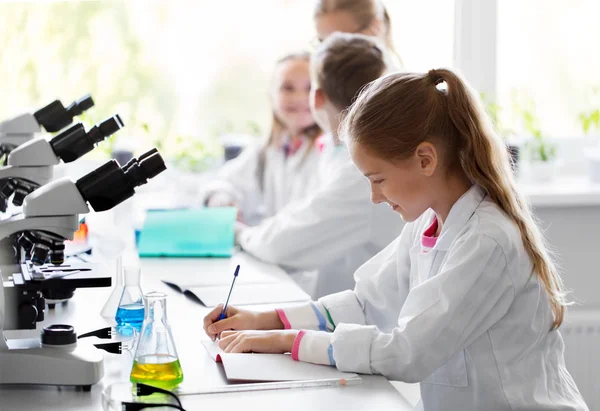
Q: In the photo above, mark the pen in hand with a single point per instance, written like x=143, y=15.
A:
x=224, y=312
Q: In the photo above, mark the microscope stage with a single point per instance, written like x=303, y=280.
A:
x=69, y=275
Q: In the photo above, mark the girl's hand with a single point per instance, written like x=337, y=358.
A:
x=238, y=319
x=238, y=228
x=221, y=199
x=273, y=342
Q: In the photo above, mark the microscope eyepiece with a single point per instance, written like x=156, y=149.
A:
x=140, y=158
x=55, y=116
x=75, y=142
x=148, y=154
x=110, y=184
x=107, y=127
x=147, y=167
x=79, y=106
x=152, y=165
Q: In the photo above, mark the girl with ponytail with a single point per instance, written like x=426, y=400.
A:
x=467, y=300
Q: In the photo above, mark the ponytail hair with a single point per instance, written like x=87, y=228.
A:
x=439, y=106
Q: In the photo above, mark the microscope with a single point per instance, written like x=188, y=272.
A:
x=50, y=217
x=31, y=165
x=53, y=117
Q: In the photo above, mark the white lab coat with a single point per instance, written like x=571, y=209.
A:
x=286, y=179
x=465, y=319
x=334, y=230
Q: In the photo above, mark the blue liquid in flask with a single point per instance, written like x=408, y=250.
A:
x=130, y=315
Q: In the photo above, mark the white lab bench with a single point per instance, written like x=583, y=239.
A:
x=185, y=317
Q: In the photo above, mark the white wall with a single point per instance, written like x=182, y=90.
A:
x=573, y=234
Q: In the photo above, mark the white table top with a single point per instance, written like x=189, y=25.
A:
x=185, y=318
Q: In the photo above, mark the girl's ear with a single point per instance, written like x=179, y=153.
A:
x=427, y=155
x=320, y=98
x=376, y=28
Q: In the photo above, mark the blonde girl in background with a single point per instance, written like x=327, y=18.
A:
x=268, y=176
x=467, y=301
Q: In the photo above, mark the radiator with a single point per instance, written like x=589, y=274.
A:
x=581, y=332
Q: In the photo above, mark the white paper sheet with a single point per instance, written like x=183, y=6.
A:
x=220, y=272
x=270, y=367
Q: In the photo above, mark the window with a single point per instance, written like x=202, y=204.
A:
x=423, y=32
x=180, y=73
x=548, y=65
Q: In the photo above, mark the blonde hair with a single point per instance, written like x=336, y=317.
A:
x=364, y=13
x=279, y=129
x=398, y=112
x=344, y=63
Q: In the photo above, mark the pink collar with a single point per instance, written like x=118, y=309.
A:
x=429, y=238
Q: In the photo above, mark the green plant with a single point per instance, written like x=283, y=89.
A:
x=190, y=154
x=494, y=110
x=590, y=120
x=537, y=145
x=185, y=152
x=254, y=128
x=540, y=150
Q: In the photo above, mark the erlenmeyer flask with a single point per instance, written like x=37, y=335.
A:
x=156, y=362
x=112, y=304
x=131, y=306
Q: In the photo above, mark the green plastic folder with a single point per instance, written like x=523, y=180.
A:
x=200, y=232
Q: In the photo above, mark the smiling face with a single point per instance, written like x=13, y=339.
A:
x=405, y=185
x=290, y=94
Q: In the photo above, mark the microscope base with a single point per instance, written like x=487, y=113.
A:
x=78, y=366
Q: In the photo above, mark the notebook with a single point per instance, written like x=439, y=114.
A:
x=244, y=294
x=270, y=367
x=209, y=284
x=217, y=271
x=198, y=232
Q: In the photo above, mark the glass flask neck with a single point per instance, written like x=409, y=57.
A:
x=119, y=274
x=131, y=275
x=155, y=304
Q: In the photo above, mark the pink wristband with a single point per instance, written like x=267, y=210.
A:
x=296, y=346
x=283, y=318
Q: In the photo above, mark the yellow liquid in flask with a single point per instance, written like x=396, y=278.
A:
x=163, y=371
